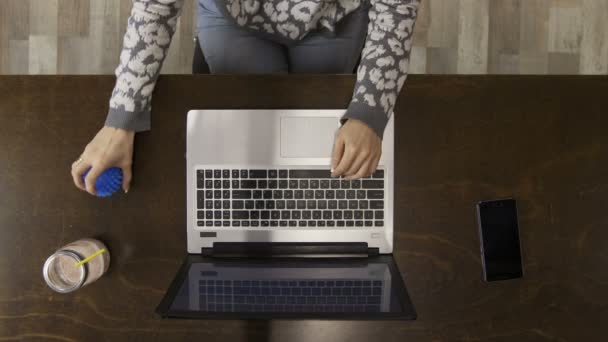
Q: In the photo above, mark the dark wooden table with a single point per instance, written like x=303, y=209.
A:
x=459, y=139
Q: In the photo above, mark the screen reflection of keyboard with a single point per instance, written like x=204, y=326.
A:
x=290, y=295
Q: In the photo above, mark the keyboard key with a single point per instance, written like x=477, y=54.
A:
x=321, y=223
x=369, y=215
x=360, y=194
x=302, y=223
x=200, y=223
x=326, y=214
x=208, y=174
x=258, y=174
x=280, y=204
x=265, y=215
x=298, y=194
x=319, y=194
x=274, y=223
x=217, y=223
x=217, y=184
x=372, y=184
x=244, y=173
x=235, y=184
x=333, y=204
x=217, y=215
x=238, y=204
x=257, y=194
x=217, y=173
x=368, y=223
x=379, y=223
x=324, y=184
x=248, y=184
x=240, y=215
x=322, y=204
x=375, y=194
x=255, y=223
x=353, y=204
x=226, y=215
x=272, y=173
x=255, y=215
x=335, y=184
x=322, y=173
x=267, y=194
x=209, y=184
x=350, y=223
x=226, y=173
x=208, y=204
x=296, y=215
x=283, y=184
x=303, y=184
x=249, y=204
x=293, y=184
x=316, y=214
x=358, y=223
x=340, y=194
x=306, y=214
x=275, y=214
x=283, y=173
x=337, y=215
x=259, y=204
x=312, y=223
x=379, y=215
x=209, y=215
x=225, y=204
x=351, y=194
x=355, y=184
x=378, y=174
x=226, y=223
x=293, y=223
x=314, y=183
x=225, y=184
x=288, y=194
x=209, y=223
x=235, y=173
x=217, y=194
x=291, y=204
x=348, y=215
x=285, y=215
x=236, y=223
x=273, y=184
x=311, y=204
x=262, y=184
x=301, y=204
x=283, y=223
x=217, y=204
x=342, y=204
x=226, y=194
x=376, y=204
x=245, y=223
x=358, y=214
x=340, y=223
x=331, y=223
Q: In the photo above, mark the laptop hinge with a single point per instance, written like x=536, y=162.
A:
x=290, y=249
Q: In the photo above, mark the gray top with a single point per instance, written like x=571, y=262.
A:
x=380, y=76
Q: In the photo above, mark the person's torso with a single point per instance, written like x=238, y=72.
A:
x=290, y=19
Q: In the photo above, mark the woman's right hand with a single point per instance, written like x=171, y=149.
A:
x=110, y=147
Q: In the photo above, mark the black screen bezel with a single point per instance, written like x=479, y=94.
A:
x=408, y=312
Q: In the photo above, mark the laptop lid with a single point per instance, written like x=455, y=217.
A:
x=368, y=288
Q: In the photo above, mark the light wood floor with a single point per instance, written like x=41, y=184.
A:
x=452, y=36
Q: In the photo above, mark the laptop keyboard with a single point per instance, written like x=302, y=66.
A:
x=290, y=295
x=287, y=198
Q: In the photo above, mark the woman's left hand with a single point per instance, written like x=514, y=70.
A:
x=357, y=150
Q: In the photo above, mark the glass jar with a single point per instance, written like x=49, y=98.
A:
x=61, y=272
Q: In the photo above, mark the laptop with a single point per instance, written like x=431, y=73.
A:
x=271, y=235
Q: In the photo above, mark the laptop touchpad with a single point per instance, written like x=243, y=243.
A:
x=308, y=137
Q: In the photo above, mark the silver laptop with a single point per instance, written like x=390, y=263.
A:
x=272, y=235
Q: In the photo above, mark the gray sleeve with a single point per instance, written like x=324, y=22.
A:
x=145, y=44
x=384, y=62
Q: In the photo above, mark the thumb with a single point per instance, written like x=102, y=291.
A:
x=126, y=178
x=338, y=151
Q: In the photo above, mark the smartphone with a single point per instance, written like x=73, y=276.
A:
x=499, y=237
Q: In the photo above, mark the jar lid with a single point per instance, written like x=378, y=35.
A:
x=55, y=280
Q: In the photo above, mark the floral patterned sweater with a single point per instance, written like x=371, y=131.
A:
x=380, y=75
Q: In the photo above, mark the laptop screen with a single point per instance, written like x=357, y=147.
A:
x=288, y=288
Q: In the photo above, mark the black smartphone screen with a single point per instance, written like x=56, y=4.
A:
x=499, y=233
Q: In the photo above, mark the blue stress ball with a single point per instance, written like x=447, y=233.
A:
x=108, y=182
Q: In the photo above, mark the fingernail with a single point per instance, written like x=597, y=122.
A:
x=126, y=190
